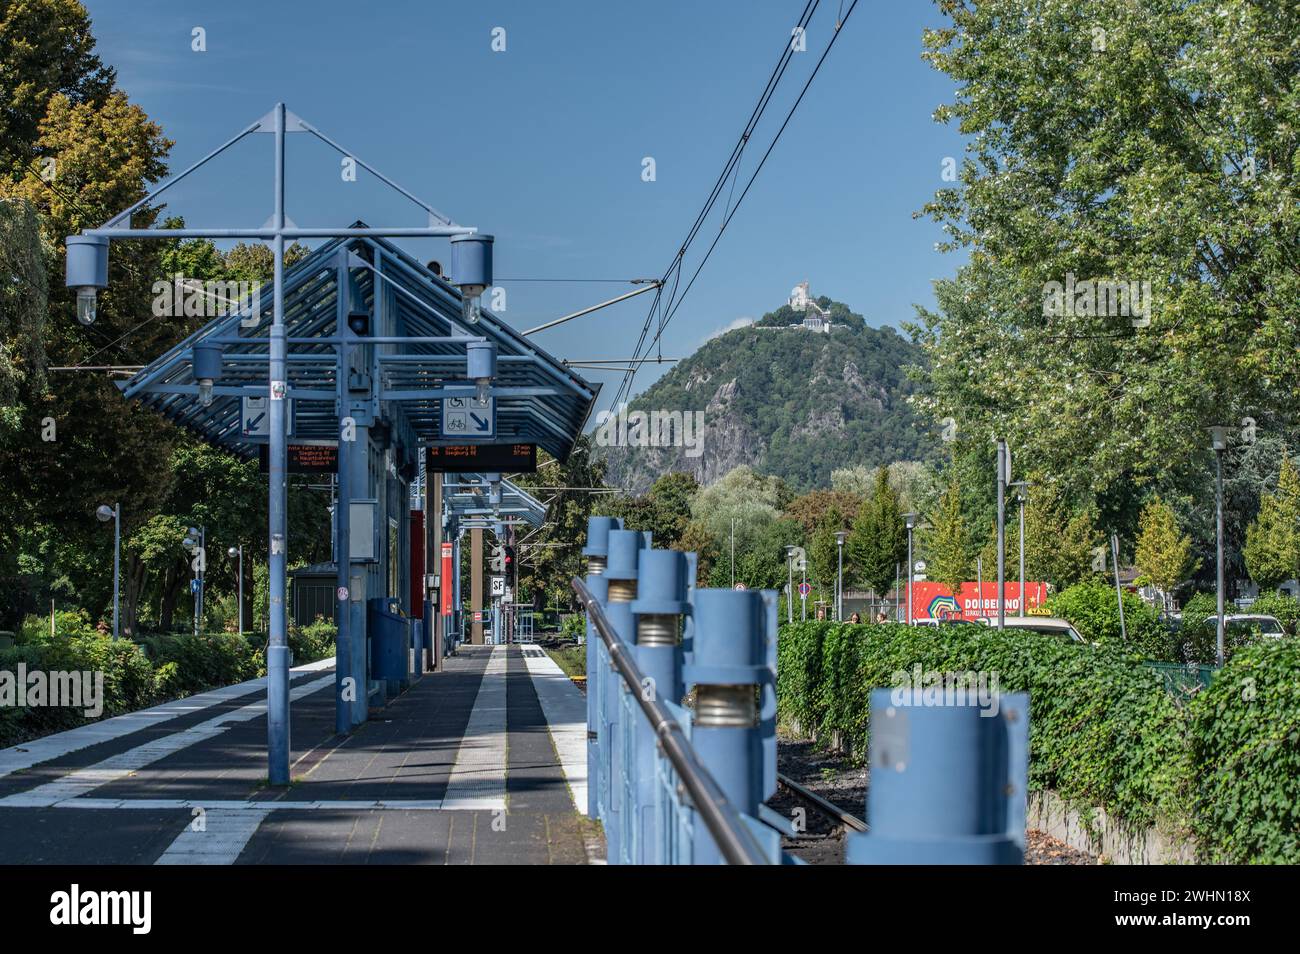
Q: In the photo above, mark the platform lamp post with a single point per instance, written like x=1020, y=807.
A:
x=789, y=593
x=1022, y=497
x=233, y=552
x=910, y=520
x=194, y=544
x=839, y=574
x=105, y=513
x=87, y=272
x=1219, y=444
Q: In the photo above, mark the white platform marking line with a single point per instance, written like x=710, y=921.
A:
x=80, y=781
x=565, y=709
x=225, y=835
x=25, y=755
x=478, y=776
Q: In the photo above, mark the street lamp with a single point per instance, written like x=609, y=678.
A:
x=106, y=513
x=1022, y=497
x=238, y=551
x=194, y=542
x=789, y=593
x=839, y=574
x=1004, y=475
x=1219, y=444
x=910, y=520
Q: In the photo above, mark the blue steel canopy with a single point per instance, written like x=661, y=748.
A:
x=470, y=499
x=538, y=399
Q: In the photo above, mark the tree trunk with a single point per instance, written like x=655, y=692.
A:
x=136, y=575
x=170, y=592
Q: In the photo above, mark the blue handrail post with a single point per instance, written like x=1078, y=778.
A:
x=948, y=778
x=662, y=589
x=730, y=673
x=597, y=553
x=621, y=574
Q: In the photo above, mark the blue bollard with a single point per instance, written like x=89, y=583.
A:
x=662, y=587
x=597, y=553
x=733, y=682
x=948, y=779
x=621, y=575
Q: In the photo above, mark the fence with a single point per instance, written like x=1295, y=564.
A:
x=681, y=730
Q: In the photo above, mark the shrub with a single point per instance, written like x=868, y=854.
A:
x=1246, y=757
x=312, y=642
x=1103, y=729
x=1092, y=610
x=574, y=627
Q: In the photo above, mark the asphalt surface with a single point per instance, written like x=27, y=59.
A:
x=403, y=758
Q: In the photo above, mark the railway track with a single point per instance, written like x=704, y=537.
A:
x=829, y=809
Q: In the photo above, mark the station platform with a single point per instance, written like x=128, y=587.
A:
x=483, y=763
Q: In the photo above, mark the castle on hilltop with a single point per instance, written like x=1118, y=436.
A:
x=816, y=319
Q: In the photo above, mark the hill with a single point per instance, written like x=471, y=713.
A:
x=787, y=401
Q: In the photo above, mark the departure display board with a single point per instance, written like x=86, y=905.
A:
x=304, y=459
x=482, y=458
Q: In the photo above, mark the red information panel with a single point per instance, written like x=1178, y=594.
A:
x=446, y=580
x=932, y=600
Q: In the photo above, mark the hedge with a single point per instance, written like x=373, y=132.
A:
x=1245, y=732
x=1103, y=730
x=139, y=674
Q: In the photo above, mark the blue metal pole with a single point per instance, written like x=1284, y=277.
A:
x=659, y=607
x=117, y=568
x=277, y=651
x=343, y=543
x=621, y=574
x=597, y=553
x=948, y=778
x=729, y=664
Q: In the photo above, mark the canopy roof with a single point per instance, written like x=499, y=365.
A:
x=538, y=398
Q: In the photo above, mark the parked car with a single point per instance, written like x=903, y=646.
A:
x=929, y=621
x=1267, y=625
x=1047, y=625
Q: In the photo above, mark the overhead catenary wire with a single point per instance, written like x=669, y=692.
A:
x=787, y=52
x=757, y=170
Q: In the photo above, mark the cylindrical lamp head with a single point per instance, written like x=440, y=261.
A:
x=471, y=263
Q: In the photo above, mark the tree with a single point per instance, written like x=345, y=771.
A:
x=546, y=571
x=823, y=552
x=1164, y=557
x=1153, y=142
x=1272, y=550
x=878, y=541
x=947, y=543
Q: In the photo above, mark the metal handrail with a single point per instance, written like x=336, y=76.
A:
x=734, y=839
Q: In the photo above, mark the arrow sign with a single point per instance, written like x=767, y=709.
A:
x=468, y=416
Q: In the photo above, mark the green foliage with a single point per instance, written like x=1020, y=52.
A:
x=1164, y=557
x=797, y=404
x=878, y=541
x=947, y=544
x=1092, y=609
x=1246, y=758
x=1272, y=550
x=574, y=627
x=1169, y=156
x=1103, y=729
x=139, y=674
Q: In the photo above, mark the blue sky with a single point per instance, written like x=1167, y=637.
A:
x=542, y=145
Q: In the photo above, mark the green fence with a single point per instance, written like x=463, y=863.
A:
x=1184, y=680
